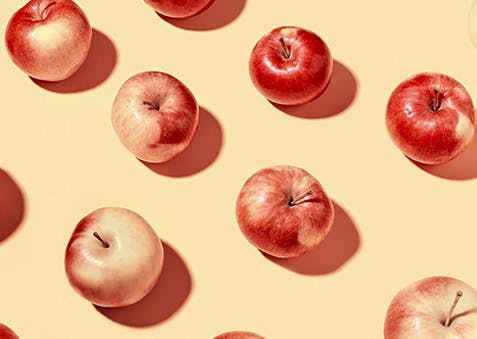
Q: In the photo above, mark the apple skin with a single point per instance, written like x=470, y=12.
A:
x=49, y=39
x=291, y=65
x=124, y=272
x=179, y=8
x=430, y=117
x=420, y=311
x=239, y=335
x=284, y=211
x=155, y=116
x=7, y=333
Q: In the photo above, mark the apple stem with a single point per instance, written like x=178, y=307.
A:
x=454, y=304
x=300, y=199
x=105, y=244
x=152, y=106
x=436, y=101
x=43, y=14
x=286, y=52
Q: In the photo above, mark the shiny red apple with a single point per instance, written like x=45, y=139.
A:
x=239, y=335
x=7, y=333
x=284, y=211
x=49, y=39
x=431, y=118
x=155, y=116
x=291, y=65
x=179, y=8
x=114, y=257
x=434, y=308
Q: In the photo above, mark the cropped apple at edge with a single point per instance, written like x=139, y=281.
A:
x=7, y=333
x=114, y=257
x=49, y=39
x=179, y=8
x=239, y=335
x=284, y=211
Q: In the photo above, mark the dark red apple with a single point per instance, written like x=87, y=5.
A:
x=7, y=333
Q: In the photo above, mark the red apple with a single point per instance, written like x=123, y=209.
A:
x=113, y=257
x=284, y=211
x=239, y=335
x=291, y=65
x=155, y=116
x=434, y=307
x=49, y=39
x=179, y=8
x=431, y=118
x=7, y=333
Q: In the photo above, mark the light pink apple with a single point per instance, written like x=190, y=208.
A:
x=179, y=8
x=49, y=39
x=239, y=335
x=284, y=211
x=431, y=118
x=7, y=333
x=434, y=307
x=114, y=257
x=155, y=116
x=291, y=65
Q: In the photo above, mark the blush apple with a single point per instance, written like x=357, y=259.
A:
x=434, y=307
x=155, y=116
x=114, y=257
x=179, y=8
x=239, y=335
x=431, y=118
x=291, y=65
x=49, y=39
x=7, y=333
x=284, y=211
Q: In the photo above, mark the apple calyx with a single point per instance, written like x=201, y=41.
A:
x=286, y=50
x=302, y=198
x=448, y=321
x=436, y=101
x=151, y=105
x=104, y=243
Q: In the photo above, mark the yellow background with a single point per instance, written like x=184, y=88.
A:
x=396, y=222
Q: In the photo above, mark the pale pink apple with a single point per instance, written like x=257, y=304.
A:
x=239, y=335
x=179, y=8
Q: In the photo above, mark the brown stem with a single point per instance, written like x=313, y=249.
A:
x=43, y=11
x=436, y=101
x=300, y=199
x=105, y=244
x=152, y=106
x=454, y=304
x=286, y=51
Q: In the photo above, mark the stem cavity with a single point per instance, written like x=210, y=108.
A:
x=454, y=304
x=151, y=105
x=300, y=199
x=104, y=243
x=436, y=101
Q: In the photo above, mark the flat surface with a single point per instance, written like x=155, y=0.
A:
x=396, y=222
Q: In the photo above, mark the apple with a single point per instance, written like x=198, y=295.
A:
x=291, y=65
x=179, y=8
x=284, y=211
x=431, y=118
x=7, y=333
x=114, y=257
x=434, y=307
x=155, y=116
x=49, y=39
x=239, y=335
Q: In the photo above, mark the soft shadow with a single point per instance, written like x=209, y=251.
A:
x=339, y=95
x=97, y=68
x=464, y=167
x=339, y=246
x=201, y=153
x=12, y=205
x=219, y=14
x=165, y=299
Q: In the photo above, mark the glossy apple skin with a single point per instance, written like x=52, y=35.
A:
x=122, y=273
x=268, y=220
x=49, y=39
x=424, y=133
x=155, y=116
x=295, y=78
x=420, y=311
x=7, y=333
x=239, y=335
x=179, y=8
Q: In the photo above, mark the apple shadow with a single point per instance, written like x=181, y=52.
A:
x=96, y=69
x=201, y=153
x=464, y=167
x=339, y=95
x=339, y=246
x=12, y=205
x=165, y=299
x=219, y=14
